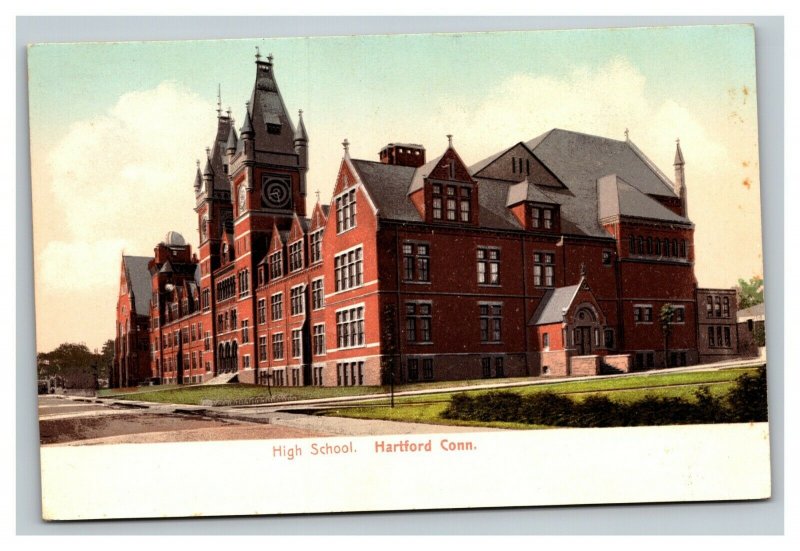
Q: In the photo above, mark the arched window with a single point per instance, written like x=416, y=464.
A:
x=666, y=247
x=683, y=248
x=633, y=245
x=640, y=245
x=675, y=247
x=657, y=247
x=649, y=245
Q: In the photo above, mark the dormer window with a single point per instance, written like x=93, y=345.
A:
x=542, y=217
x=273, y=128
x=466, y=193
x=276, y=265
x=437, y=201
x=451, y=203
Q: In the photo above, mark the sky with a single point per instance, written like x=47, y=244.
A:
x=116, y=129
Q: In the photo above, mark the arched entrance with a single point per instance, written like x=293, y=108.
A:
x=586, y=331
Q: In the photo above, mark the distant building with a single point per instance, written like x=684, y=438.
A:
x=551, y=257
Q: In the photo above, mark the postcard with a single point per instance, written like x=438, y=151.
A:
x=396, y=272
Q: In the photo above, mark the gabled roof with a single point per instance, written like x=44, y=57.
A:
x=581, y=159
x=218, y=158
x=616, y=197
x=139, y=281
x=387, y=185
x=554, y=305
x=527, y=191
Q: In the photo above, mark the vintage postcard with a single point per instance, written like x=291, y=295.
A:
x=398, y=272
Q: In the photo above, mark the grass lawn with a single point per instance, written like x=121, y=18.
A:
x=428, y=408
x=194, y=395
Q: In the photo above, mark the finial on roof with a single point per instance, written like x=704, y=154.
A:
x=258, y=55
x=626, y=134
x=583, y=269
x=346, y=146
x=198, y=164
x=449, y=140
x=229, y=112
x=219, y=100
x=678, y=153
x=208, y=152
x=317, y=194
x=269, y=58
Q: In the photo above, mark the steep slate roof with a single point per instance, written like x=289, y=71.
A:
x=218, y=158
x=578, y=159
x=752, y=312
x=527, y=191
x=139, y=281
x=267, y=107
x=553, y=305
x=616, y=197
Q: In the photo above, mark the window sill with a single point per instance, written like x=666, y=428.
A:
x=415, y=282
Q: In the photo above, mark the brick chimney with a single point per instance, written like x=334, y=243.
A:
x=403, y=154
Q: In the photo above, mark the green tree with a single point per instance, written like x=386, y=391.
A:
x=750, y=292
x=666, y=315
x=106, y=359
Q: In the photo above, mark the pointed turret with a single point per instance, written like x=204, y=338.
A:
x=680, y=177
x=246, y=131
x=300, y=134
x=198, y=180
x=230, y=146
x=208, y=172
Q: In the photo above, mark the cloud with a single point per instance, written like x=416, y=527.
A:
x=124, y=179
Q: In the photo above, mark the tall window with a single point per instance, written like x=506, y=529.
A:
x=318, y=339
x=296, y=256
x=297, y=343
x=489, y=266
x=726, y=307
x=346, y=211
x=316, y=246
x=207, y=341
x=245, y=331
x=317, y=294
x=296, y=300
x=451, y=203
x=427, y=369
x=262, y=311
x=350, y=373
x=206, y=299
x=348, y=268
x=276, y=306
x=418, y=322
x=547, y=218
x=464, y=204
x=277, y=346
x=491, y=321
x=544, y=269
x=262, y=349
x=416, y=262
x=436, y=191
x=413, y=369
x=276, y=264
x=350, y=327
x=244, y=282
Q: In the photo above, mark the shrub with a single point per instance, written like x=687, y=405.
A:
x=747, y=401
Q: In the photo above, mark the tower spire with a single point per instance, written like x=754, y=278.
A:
x=680, y=178
x=219, y=100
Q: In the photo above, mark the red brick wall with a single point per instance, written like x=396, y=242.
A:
x=584, y=365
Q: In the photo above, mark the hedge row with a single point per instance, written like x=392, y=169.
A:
x=745, y=402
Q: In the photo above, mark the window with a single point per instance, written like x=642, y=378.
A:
x=278, y=377
x=350, y=327
x=427, y=369
x=711, y=342
x=546, y=341
x=246, y=361
x=245, y=331
x=316, y=375
x=464, y=204
x=643, y=313
x=185, y=335
x=608, y=336
x=709, y=307
x=436, y=191
x=244, y=282
x=413, y=369
x=276, y=264
x=226, y=288
x=234, y=318
x=498, y=367
x=194, y=332
x=297, y=343
x=350, y=373
x=316, y=246
x=262, y=311
x=607, y=258
x=262, y=349
x=679, y=315
x=276, y=306
x=491, y=320
x=726, y=307
x=206, y=299
x=318, y=339
x=727, y=331
x=346, y=211
x=486, y=367
x=547, y=217
x=348, y=268
x=418, y=322
x=488, y=266
x=207, y=341
x=416, y=262
x=451, y=202
x=296, y=300
x=317, y=294
x=544, y=269
x=536, y=217
x=277, y=346
x=295, y=256
x=295, y=376
x=717, y=307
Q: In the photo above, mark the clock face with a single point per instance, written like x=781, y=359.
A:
x=275, y=192
x=242, y=198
